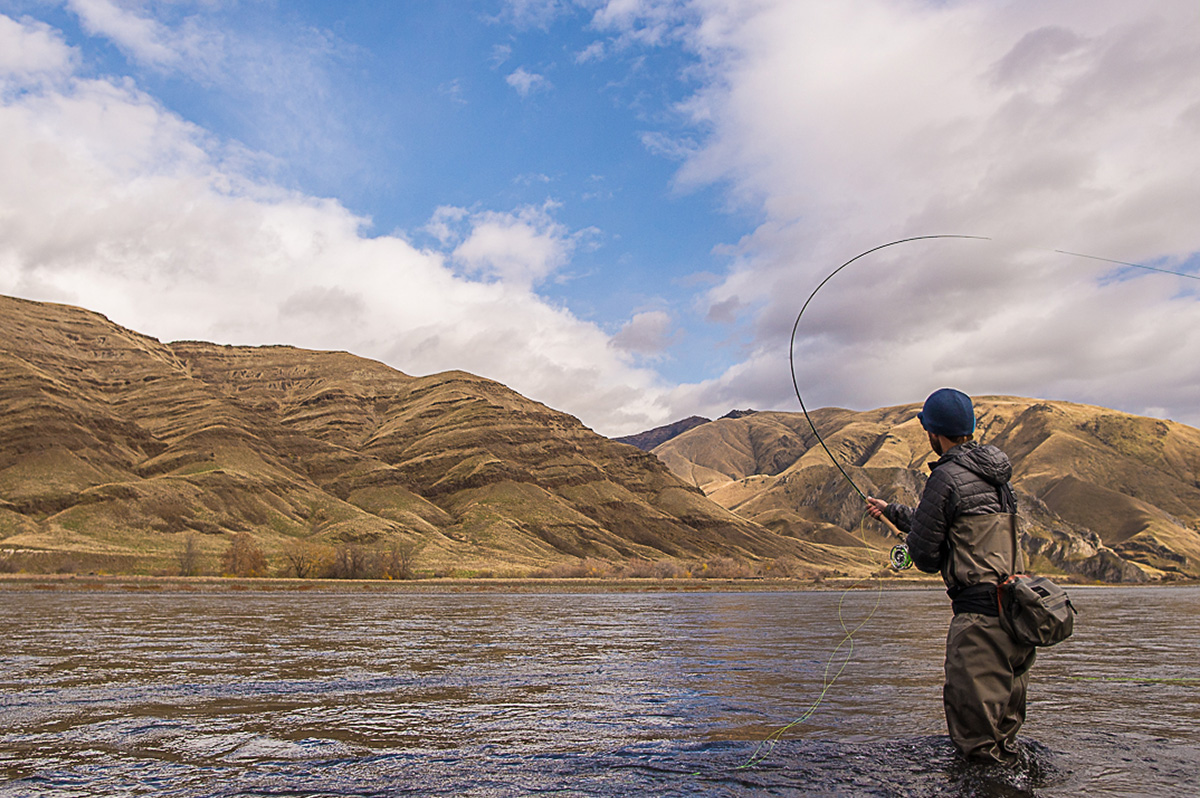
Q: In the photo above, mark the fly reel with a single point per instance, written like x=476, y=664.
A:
x=900, y=558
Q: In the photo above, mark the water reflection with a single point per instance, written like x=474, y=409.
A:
x=118, y=693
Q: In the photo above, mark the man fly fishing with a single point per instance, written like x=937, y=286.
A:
x=963, y=527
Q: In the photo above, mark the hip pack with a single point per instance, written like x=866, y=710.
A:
x=1035, y=611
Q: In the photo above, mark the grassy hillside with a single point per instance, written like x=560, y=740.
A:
x=123, y=453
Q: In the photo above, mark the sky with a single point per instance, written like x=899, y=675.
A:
x=619, y=207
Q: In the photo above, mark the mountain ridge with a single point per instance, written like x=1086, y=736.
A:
x=115, y=444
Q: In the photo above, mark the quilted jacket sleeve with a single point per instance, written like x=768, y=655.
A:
x=931, y=521
x=900, y=515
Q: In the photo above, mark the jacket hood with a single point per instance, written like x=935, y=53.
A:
x=986, y=460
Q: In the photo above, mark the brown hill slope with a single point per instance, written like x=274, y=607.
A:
x=1103, y=493
x=114, y=444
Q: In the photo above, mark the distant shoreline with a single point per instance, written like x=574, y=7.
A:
x=217, y=584
x=434, y=585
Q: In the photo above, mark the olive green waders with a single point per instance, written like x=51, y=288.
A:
x=987, y=674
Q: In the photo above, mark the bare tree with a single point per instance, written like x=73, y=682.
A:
x=244, y=557
x=189, y=557
x=305, y=559
x=400, y=559
x=351, y=561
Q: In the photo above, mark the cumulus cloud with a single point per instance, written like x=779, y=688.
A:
x=648, y=333
x=647, y=22
x=526, y=83
x=446, y=224
x=32, y=51
x=523, y=247
x=111, y=202
x=1043, y=126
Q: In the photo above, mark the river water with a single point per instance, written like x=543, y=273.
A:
x=283, y=693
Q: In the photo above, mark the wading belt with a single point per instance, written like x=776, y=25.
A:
x=980, y=599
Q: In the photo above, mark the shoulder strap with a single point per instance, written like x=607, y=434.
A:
x=1017, y=560
x=1008, y=504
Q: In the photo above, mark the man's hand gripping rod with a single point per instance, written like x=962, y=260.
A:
x=898, y=557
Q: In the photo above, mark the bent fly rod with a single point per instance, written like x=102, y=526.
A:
x=899, y=555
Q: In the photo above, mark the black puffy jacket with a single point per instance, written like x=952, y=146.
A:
x=970, y=479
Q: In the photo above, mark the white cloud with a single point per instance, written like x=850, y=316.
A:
x=523, y=247
x=593, y=52
x=526, y=83
x=32, y=51
x=500, y=54
x=667, y=146
x=648, y=22
x=531, y=13
x=531, y=178
x=647, y=333
x=113, y=203
x=145, y=39
x=1068, y=125
x=279, y=86
x=454, y=91
x=445, y=224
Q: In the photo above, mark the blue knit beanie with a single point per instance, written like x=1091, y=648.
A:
x=948, y=412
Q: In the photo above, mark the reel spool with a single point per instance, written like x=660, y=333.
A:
x=900, y=558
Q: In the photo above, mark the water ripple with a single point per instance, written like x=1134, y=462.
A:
x=280, y=693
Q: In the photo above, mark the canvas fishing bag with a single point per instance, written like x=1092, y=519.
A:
x=1033, y=609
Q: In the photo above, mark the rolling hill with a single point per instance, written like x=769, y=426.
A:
x=125, y=452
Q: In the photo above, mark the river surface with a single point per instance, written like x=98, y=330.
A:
x=284, y=693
